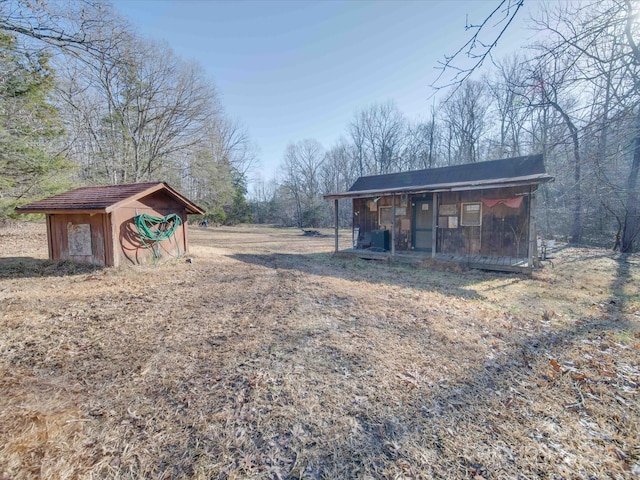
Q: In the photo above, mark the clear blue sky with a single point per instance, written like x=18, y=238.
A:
x=290, y=70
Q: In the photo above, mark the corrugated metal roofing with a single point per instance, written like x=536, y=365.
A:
x=102, y=198
x=527, y=169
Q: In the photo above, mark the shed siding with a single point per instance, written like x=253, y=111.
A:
x=59, y=227
x=95, y=224
x=131, y=249
x=109, y=246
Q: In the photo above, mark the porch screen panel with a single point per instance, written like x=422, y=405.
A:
x=423, y=225
x=423, y=239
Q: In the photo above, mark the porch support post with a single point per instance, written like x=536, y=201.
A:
x=51, y=239
x=393, y=226
x=434, y=225
x=335, y=219
x=532, y=251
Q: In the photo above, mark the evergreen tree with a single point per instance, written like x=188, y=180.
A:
x=238, y=211
x=31, y=163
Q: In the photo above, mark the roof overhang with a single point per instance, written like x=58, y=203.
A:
x=66, y=211
x=190, y=207
x=446, y=187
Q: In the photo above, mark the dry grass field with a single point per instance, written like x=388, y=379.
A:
x=268, y=358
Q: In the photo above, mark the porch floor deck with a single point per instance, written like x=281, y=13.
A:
x=483, y=262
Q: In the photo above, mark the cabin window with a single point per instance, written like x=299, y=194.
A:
x=385, y=217
x=448, y=210
x=471, y=214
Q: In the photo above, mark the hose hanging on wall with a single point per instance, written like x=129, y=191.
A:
x=152, y=230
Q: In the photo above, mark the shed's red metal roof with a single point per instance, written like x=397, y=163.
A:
x=103, y=198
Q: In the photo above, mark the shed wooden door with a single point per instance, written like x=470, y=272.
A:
x=422, y=224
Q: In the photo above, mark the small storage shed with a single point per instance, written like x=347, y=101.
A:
x=102, y=225
x=481, y=214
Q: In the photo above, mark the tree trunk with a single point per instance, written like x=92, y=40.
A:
x=631, y=221
x=576, y=226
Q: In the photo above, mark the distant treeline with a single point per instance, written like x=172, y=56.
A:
x=84, y=100
x=575, y=97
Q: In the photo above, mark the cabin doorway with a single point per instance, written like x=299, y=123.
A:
x=422, y=235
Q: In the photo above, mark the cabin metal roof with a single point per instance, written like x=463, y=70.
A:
x=104, y=199
x=526, y=170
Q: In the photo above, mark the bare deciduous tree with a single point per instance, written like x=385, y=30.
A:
x=465, y=114
x=230, y=141
x=598, y=41
x=339, y=171
x=301, y=167
x=77, y=27
x=505, y=88
x=458, y=67
x=422, y=145
x=379, y=134
x=144, y=109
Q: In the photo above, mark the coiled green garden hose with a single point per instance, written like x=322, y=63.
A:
x=152, y=230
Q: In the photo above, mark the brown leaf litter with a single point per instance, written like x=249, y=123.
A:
x=267, y=357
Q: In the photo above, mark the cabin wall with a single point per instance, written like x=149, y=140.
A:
x=452, y=237
x=492, y=222
x=503, y=229
x=365, y=221
x=81, y=238
x=370, y=215
x=130, y=248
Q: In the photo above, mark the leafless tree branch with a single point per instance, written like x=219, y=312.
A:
x=475, y=48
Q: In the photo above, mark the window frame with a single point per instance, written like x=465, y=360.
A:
x=465, y=221
x=385, y=209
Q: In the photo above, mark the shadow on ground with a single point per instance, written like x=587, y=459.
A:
x=443, y=278
x=23, y=267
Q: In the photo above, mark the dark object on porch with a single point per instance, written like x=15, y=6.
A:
x=380, y=240
x=364, y=240
x=483, y=212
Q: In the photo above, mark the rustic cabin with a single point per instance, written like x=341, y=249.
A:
x=480, y=214
x=116, y=224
